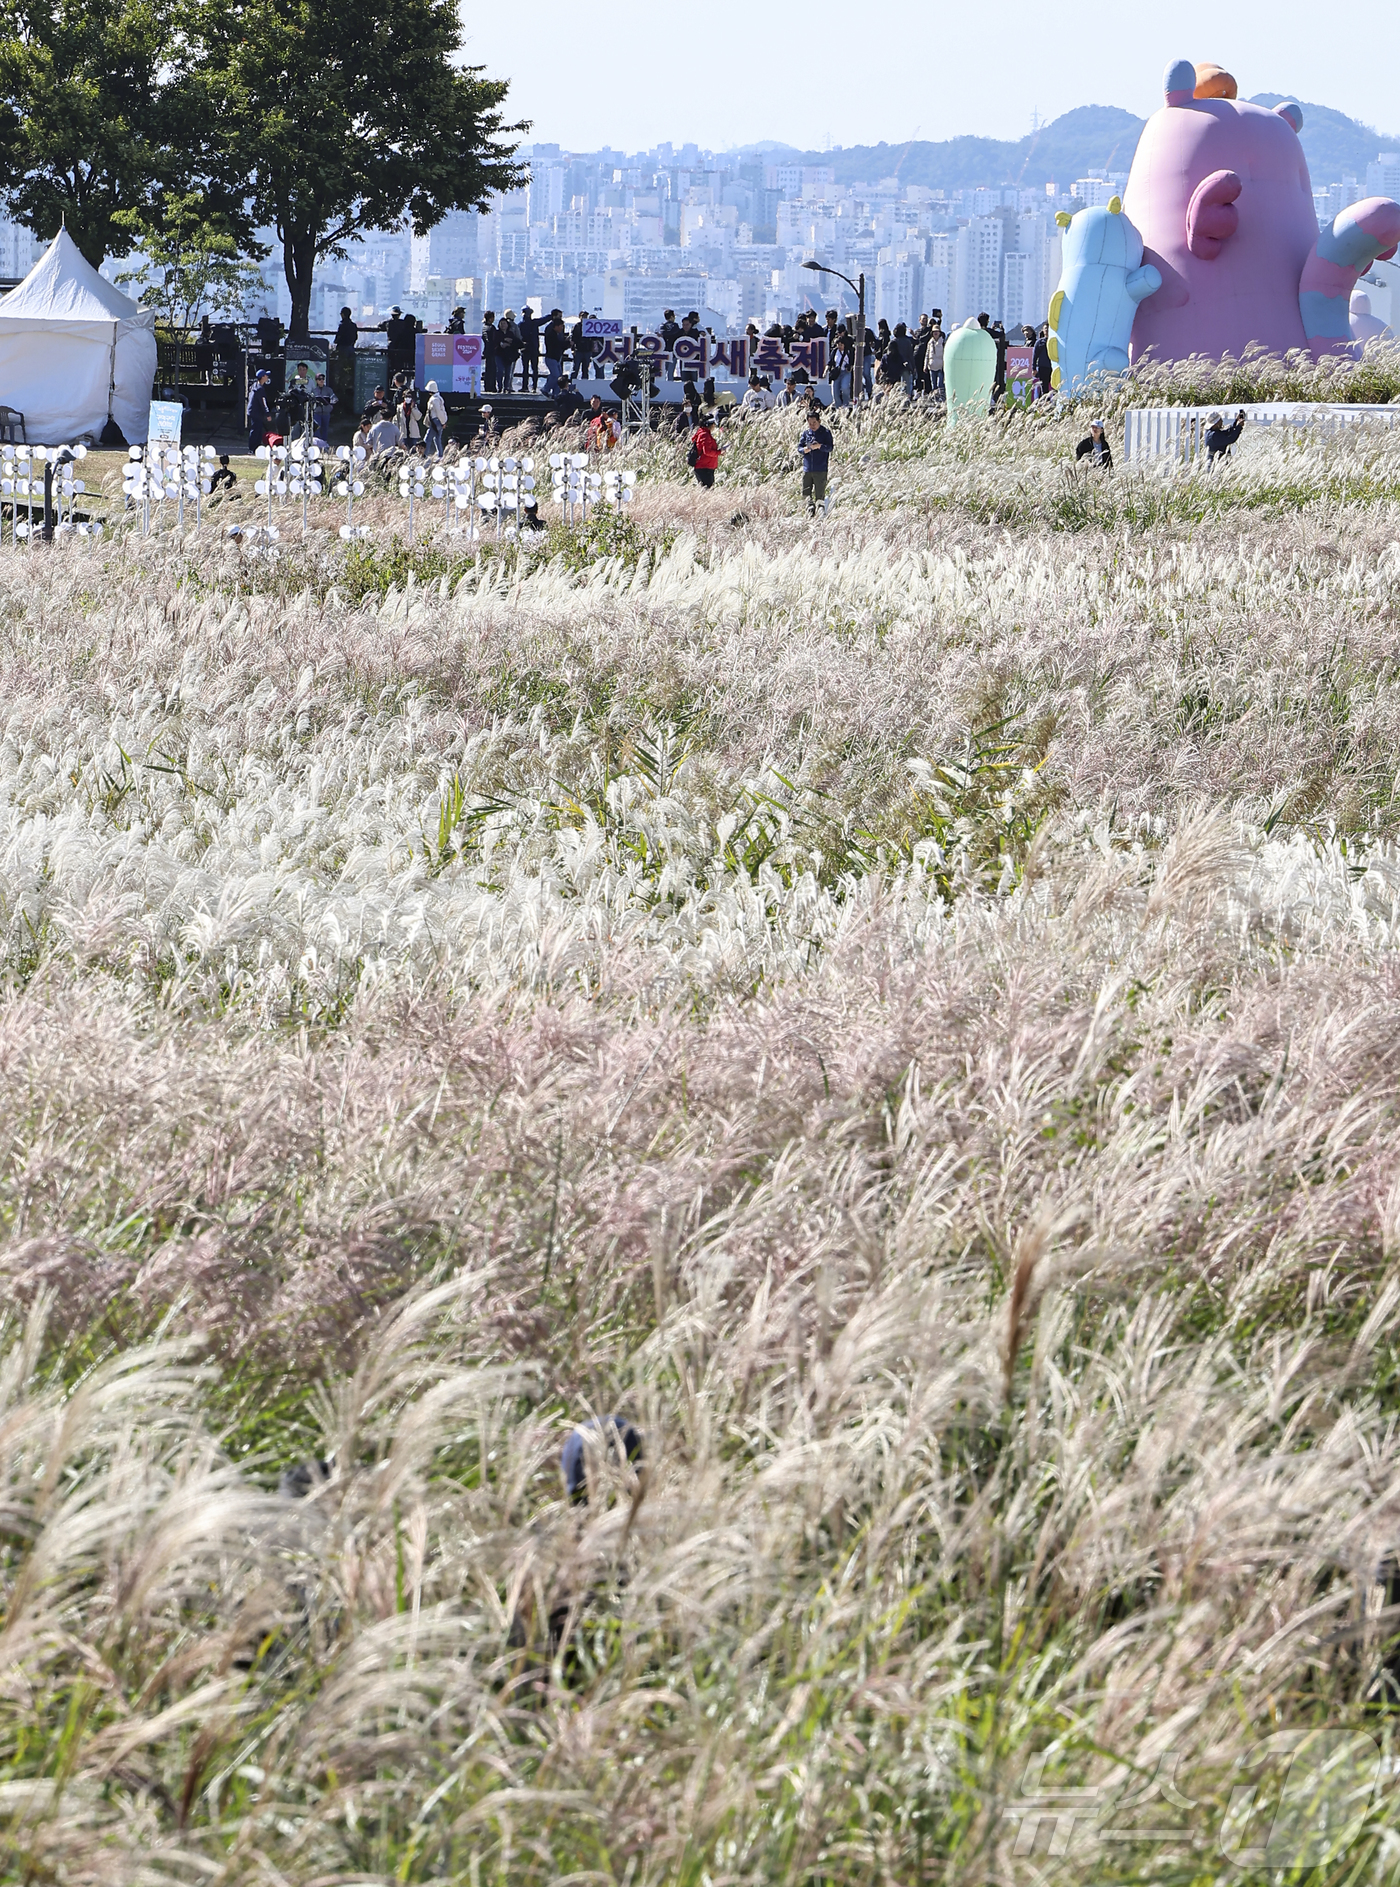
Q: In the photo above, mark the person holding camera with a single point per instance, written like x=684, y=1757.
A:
x=1219, y=437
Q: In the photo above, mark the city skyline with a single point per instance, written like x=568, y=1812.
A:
x=627, y=234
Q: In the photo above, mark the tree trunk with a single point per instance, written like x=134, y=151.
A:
x=298, y=263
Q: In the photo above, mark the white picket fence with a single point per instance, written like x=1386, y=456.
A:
x=1151, y=433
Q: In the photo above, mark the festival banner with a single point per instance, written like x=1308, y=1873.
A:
x=772, y=358
x=1020, y=375
x=453, y=360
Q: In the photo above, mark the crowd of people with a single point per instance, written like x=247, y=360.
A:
x=402, y=417
x=306, y=399
x=898, y=360
x=510, y=343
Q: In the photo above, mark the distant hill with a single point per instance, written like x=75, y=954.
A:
x=1091, y=137
x=1335, y=146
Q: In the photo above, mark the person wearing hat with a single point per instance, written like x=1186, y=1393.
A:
x=815, y=446
x=259, y=409
x=529, y=327
x=757, y=397
x=322, y=400
x=1095, y=447
x=1219, y=437
x=436, y=421
x=393, y=327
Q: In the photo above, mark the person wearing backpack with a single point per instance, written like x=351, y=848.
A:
x=703, y=457
x=436, y=418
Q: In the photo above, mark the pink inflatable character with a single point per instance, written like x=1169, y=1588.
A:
x=1221, y=194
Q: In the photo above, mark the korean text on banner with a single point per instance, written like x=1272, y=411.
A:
x=453, y=360
x=164, y=423
x=1020, y=374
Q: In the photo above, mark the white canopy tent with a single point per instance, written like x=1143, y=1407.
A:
x=74, y=351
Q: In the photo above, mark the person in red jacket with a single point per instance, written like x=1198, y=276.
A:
x=704, y=453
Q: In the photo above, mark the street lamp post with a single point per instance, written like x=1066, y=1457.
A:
x=858, y=378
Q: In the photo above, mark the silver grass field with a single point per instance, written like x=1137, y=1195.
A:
x=904, y=1007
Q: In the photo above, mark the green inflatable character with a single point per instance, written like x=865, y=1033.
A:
x=969, y=368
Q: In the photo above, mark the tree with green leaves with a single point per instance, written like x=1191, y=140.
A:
x=189, y=262
x=88, y=114
x=337, y=116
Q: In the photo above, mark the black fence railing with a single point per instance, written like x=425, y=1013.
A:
x=216, y=371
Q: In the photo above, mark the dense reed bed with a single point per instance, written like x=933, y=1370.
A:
x=903, y=1007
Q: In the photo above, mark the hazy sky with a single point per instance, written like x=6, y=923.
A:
x=729, y=72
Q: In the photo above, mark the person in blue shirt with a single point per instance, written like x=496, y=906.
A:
x=815, y=445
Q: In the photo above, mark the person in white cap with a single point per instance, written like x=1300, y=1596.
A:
x=1095, y=447
x=436, y=421
x=1219, y=437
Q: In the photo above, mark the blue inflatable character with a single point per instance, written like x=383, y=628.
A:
x=1102, y=282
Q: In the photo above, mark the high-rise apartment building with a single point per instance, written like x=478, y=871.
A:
x=546, y=195
x=17, y=251
x=1334, y=198
x=448, y=250
x=1030, y=270
x=899, y=287
x=978, y=286
x=941, y=274
x=1094, y=192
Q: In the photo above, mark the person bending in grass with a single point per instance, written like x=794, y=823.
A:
x=816, y=446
